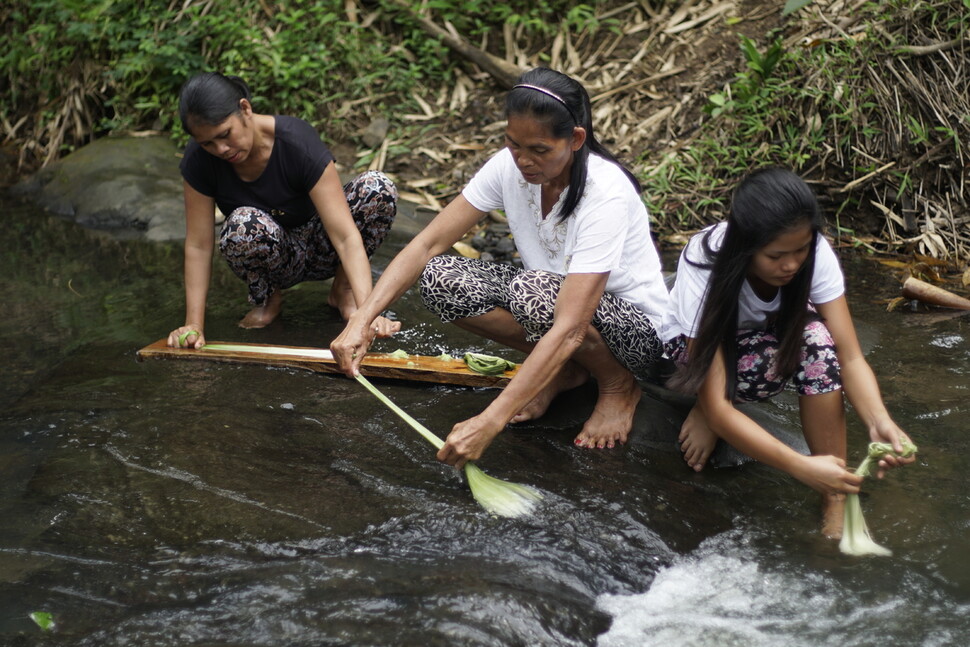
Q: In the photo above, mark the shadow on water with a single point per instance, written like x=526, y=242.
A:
x=168, y=503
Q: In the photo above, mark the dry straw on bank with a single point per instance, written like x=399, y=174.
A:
x=893, y=171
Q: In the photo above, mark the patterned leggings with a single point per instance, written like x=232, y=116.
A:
x=454, y=287
x=268, y=257
x=818, y=369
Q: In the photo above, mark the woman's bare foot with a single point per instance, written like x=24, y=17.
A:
x=612, y=418
x=571, y=376
x=262, y=316
x=341, y=295
x=833, y=515
x=696, y=440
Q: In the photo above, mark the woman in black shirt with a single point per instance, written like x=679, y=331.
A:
x=288, y=218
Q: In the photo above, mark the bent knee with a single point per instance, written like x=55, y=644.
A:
x=533, y=290
x=375, y=183
x=432, y=271
x=245, y=225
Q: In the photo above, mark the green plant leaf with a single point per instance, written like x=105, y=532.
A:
x=794, y=5
x=499, y=497
x=43, y=619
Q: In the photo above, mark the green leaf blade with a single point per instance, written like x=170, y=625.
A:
x=43, y=619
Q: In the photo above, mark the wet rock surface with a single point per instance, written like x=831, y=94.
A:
x=129, y=186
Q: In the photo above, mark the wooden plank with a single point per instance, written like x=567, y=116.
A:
x=420, y=368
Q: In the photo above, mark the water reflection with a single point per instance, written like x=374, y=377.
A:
x=168, y=503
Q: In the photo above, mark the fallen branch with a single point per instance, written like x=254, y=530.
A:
x=923, y=50
x=854, y=183
x=504, y=72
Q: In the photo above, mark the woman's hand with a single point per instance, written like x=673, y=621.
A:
x=468, y=440
x=190, y=336
x=384, y=327
x=827, y=474
x=352, y=343
x=887, y=431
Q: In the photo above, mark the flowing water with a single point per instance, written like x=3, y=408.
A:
x=188, y=503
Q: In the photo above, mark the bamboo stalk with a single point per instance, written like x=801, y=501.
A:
x=925, y=292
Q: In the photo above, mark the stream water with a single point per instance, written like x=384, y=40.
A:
x=187, y=503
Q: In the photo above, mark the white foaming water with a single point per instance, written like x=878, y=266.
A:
x=947, y=341
x=720, y=596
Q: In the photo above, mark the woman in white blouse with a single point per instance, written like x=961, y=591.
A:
x=589, y=300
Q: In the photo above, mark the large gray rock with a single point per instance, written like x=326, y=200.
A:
x=130, y=186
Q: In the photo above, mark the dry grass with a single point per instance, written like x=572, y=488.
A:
x=898, y=180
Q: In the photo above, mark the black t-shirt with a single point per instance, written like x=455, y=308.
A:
x=295, y=165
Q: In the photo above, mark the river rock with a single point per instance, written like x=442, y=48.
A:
x=375, y=133
x=129, y=186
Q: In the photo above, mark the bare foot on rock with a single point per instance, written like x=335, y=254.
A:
x=571, y=376
x=262, y=316
x=612, y=418
x=696, y=440
x=833, y=515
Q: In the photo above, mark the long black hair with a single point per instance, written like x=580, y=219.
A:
x=562, y=103
x=209, y=98
x=768, y=203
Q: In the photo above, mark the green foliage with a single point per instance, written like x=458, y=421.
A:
x=791, y=6
x=750, y=89
x=498, y=497
x=749, y=126
x=77, y=68
x=488, y=364
x=43, y=619
x=481, y=17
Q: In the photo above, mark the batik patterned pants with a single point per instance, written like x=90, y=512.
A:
x=268, y=257
x=454, y=287
x=758, y=379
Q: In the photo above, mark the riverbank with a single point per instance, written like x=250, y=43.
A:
x=865, y=100
x=131, y=188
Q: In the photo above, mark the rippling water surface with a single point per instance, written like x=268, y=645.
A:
x=170, y=503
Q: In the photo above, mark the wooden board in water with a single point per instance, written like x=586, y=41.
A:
x=421, y=368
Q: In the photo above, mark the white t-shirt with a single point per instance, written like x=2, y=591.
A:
x=687, y=297
x=608, y=231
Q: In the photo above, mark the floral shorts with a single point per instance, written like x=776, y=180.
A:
x=269, y=257
x=818, y=370
x=454, y=287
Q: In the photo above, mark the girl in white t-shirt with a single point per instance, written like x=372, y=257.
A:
x=590, y=297
x=759, y=300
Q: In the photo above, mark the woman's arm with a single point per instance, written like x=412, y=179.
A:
x=576, y=302
x=199, y=243
x=331, y=204
x=860, y=383
x=441, y=233
x=826, y=474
